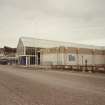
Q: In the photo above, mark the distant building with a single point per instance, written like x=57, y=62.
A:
x=1, y=52
x=31, y=51
x=8, y=55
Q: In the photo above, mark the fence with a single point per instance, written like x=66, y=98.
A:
x=85, y=68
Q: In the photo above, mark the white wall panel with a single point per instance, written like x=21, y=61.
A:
x=99, y=59
x=62, y=59
x=84, y=57
x=49, y=59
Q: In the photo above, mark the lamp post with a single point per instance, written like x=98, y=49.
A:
x=93, y=56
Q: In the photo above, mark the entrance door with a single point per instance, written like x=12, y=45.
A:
x=23, y=60
x=38, y=58
x=32, y=60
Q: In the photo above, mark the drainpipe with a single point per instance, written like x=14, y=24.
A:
x=77, y=56
x=82, y=60
x=64, y=56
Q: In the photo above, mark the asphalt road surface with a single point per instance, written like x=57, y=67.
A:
x=30, y=87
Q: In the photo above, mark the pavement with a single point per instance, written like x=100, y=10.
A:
x=19, y=86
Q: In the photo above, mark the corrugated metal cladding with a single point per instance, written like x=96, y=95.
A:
x=42, y=43
x=39, y=51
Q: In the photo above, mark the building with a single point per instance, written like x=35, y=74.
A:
x=8, y=55
x=32, y=51
x=1, y=52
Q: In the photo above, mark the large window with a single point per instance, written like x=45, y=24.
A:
x=30, y=51
x=71, y=58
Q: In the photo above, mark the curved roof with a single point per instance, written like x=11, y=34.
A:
x=42, y=43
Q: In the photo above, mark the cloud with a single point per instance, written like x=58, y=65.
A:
x=66, y=20
x=99, y=42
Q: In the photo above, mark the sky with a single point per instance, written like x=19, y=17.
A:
x=80, y=21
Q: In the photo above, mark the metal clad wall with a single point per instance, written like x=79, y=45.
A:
x=54, y=52
x=73, y=56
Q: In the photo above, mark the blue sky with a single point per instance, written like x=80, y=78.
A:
x=80, y=21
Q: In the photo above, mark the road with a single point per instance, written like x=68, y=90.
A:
x=19, y=86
